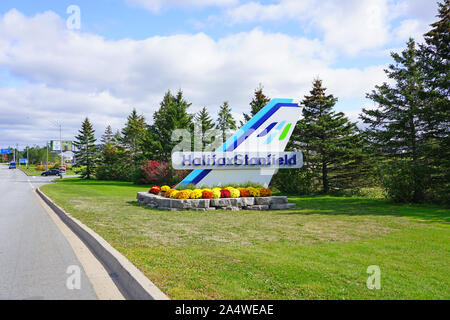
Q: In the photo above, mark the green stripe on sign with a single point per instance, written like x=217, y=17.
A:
x=285, y=131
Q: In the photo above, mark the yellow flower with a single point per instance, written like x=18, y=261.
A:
x=253, y=192
x=234, y=193
x=265, y=192
x=165, y=188
x=216, y=193
x=183, y=194
x=196, y=194
x=168, y=192
x=174, y=193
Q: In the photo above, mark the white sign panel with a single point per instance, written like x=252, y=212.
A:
x=236, y=160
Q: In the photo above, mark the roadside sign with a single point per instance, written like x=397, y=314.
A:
x=23, y=161
x=5, y=151
x=62, y=170
x=5, y=156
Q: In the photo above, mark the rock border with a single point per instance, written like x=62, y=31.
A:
x=231, y=204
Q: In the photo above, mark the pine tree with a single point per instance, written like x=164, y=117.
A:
x=172, y=114
x=204, y=122
x=133, y=135
x=397, y=126
x=225, y=120
x=86, y=153
x=108, y=136
x=331, y=141
x=434, y=57
x=259, y=101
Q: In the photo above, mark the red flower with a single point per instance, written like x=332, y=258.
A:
x=244, y=193
x=156, y=187
x=224, y=193
x=207, y=194
x=154, y=190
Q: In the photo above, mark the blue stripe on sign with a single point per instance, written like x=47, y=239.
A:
x=243, y=133
x=267, y=130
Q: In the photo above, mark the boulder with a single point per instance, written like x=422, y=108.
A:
x=279, y=200
x=283, y=206
x=220, y=202
x=263, y=201
x=258, y=207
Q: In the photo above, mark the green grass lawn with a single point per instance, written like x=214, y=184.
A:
x=319, y=251
x=31, y=170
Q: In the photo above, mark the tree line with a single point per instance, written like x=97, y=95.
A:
x=403, y=145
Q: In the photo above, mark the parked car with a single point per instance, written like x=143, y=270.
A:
x=51, y=172
x=12, y=165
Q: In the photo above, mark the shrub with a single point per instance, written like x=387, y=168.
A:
x=294, y=181
x=155, y=171
x=405, y=182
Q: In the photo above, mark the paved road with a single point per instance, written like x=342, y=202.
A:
x=34, y=255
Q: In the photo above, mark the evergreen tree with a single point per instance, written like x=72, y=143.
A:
x=172, y=114
x=86, y=153
x=204, y=121
x=397, y=127
x=259, y=101
x=435, y=56
x=133, y=135
x=108, y=136
x=332, y=142
x=225, y=120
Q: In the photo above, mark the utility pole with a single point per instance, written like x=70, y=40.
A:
x=47, y=156
x=27, y=158
x=60, y=148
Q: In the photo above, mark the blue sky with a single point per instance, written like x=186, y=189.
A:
x=129, y=52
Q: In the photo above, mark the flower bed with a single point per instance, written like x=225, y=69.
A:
x=229, y=198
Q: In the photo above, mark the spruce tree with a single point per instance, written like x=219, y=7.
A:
x=204, y=122
x=108, y=136
x=172, y=114
x=225, y=120
x=258, y=102
x=434, y=56
x=397, y=127
x=331, y=141
x=86, y=153
x=133, y=135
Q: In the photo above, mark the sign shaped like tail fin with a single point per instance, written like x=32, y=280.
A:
x=269, y=130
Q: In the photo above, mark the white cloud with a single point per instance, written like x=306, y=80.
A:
x=157, y=5
x=348, y=25
x=69, y=75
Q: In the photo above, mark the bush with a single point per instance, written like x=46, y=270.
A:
x=159, y=172
x=294, y=181
x=405, y=182
x=121, y=171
